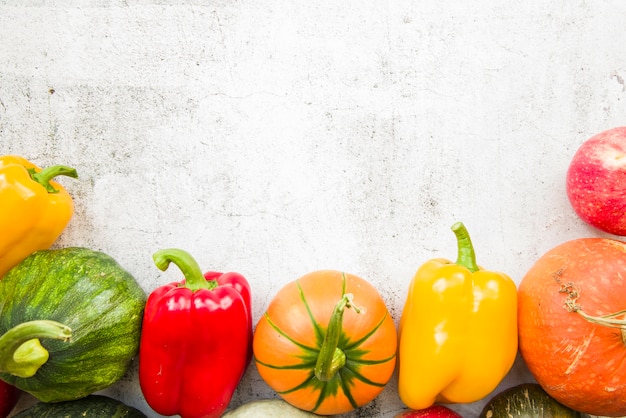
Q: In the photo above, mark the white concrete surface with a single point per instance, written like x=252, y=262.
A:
x=277, y=138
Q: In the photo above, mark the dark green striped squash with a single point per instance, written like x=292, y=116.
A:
x=70, y=322
x=327, y=343
x=92, y=406
x=527, y=400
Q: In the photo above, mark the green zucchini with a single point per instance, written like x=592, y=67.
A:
x=527, y=400
x=92, y=406
x=91, y=294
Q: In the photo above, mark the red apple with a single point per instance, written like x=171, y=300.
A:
x=596, y=181
x=9, y=396
x=435, y=411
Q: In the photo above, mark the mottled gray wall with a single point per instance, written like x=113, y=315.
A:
x=277, y=138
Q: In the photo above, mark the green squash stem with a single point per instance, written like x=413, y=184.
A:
x=21, y=353
x=47, y=174
x=331, y=358
x=194, y=279
x=466, y=256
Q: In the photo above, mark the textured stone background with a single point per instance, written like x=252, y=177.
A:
x=277, y=138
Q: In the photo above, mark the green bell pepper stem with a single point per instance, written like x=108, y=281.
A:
x=194, y=279
x=47, y=174
x=466, y=256
x=331, y=358
x=21, y=353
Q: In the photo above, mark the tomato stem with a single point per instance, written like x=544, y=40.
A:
x=331, y=358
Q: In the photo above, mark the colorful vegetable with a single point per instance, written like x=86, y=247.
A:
x=196, y=340
x=433, y=411
x=100, y=305
x=527, y=400
x=572, y=328
x=35, y=209
x=92, y=406
x=458, y=330
x=267, y=408
x=327, y=343
x=9, y=396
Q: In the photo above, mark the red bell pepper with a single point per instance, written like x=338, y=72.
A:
x=196, y=339
x=9, y=395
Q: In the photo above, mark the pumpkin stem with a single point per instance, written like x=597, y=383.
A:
x=194, y=279
x=613, y=320
x=331, y=358
x=466, y=256
x=21, y=352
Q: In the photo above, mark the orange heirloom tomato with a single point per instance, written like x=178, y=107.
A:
x=327, y=343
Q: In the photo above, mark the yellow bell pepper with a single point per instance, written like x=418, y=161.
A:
x=458, y=330
x=34, y=209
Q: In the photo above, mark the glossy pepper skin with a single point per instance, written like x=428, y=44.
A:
x=458, y=330
x=9, y=396
x=34, y=211
x=196, y=340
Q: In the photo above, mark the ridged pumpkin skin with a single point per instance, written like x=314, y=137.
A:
x=579, y=363
x=288, y=338
x=89, y=292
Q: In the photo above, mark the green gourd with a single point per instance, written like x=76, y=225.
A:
x=527, y=400
x=70, y=322
x=92, y=406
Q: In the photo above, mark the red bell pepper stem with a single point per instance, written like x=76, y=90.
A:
x=194, y=279
x=47, y=174
x=466, y=256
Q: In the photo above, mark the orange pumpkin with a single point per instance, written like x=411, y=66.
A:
x=327, y=343
x=571, y=324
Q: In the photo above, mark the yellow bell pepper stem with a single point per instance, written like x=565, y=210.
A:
x=458, y=330
x=466, y=256
x=44, y=176
x=35, y=209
